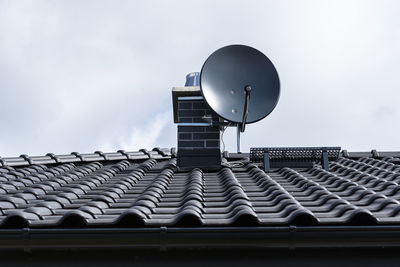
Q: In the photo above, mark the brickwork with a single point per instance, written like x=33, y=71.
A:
x=196, y=137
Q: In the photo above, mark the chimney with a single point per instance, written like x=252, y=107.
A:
x=198, y=139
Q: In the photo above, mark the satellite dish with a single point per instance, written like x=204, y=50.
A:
x=240, y=84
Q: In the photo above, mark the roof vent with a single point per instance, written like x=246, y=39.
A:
x=294, y=157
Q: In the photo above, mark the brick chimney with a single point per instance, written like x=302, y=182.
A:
x=198, y=139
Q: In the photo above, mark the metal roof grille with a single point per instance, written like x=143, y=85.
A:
x=293, y=156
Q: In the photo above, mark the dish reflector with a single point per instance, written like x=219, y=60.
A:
x=236, y=72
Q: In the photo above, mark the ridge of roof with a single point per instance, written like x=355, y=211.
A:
x=143, y=154
x=76, y=157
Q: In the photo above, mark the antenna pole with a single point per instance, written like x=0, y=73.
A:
x=238, y=137
x=247, y=89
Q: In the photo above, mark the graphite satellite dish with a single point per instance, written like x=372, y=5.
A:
x=240, y=84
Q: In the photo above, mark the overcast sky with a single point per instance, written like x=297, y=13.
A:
x=97, y=75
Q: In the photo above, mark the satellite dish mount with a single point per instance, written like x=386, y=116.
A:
x=242, y=126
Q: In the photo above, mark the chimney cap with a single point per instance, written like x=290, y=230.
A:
x=193, y=79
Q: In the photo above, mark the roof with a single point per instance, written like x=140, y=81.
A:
x=144, y=189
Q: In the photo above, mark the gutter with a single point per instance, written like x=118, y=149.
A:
x=163, y=238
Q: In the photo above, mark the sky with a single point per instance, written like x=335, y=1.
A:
x=97, y=75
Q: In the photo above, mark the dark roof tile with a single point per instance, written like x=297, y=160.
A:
x=144, y=188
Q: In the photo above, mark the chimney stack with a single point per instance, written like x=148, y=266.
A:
x=198, y=139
